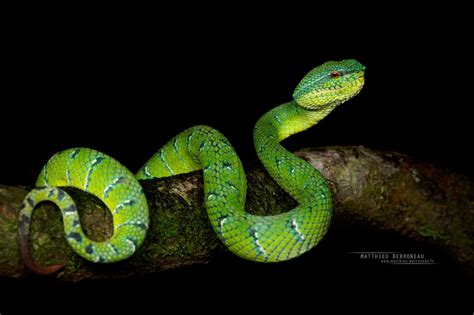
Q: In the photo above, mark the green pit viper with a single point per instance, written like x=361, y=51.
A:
x=257, y=238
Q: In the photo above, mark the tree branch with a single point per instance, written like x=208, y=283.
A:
x=386, y=190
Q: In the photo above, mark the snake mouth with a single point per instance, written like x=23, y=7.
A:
x=332, y=96
x=358, y=82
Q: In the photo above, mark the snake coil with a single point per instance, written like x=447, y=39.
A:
x=258, y=238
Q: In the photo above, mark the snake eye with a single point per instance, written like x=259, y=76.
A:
x=334, y=74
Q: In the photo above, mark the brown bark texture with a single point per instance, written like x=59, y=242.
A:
x=385, y=190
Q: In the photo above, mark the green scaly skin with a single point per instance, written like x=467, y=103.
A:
x=258, y=238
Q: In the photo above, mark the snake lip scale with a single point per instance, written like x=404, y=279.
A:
x=258, y=238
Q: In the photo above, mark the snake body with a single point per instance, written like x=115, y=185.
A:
x=258, y=238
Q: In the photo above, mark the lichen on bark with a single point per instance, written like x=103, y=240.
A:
x=385, y=190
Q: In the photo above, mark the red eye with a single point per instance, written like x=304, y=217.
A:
x=334, y=74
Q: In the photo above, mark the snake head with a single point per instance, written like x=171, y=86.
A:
x=332, y=82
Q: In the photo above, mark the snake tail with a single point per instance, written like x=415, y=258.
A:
x=105, y=178
x=258, y=238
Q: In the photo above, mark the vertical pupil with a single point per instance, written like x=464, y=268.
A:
x=334, y=74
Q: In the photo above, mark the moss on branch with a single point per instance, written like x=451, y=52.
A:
x=386, y=190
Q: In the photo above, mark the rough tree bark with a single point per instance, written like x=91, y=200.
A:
x=386, y=190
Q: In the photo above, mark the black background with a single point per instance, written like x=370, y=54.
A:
x=125, y=85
